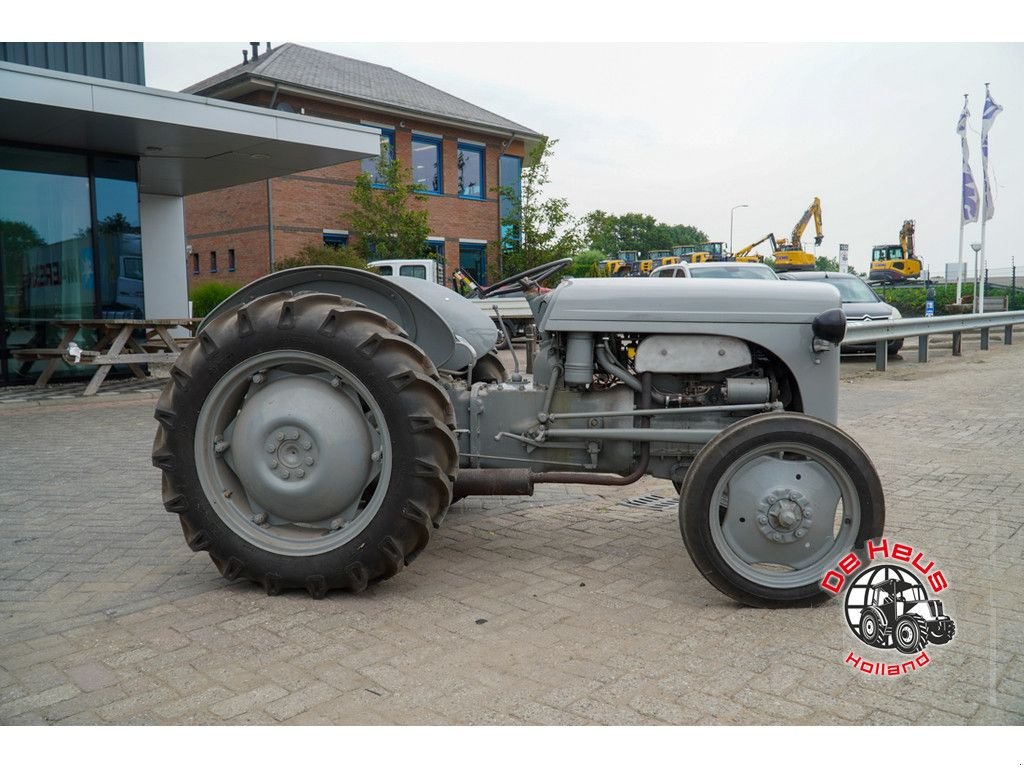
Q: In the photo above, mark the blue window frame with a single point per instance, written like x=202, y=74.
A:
x=335, y=239
x=387, y=145
x=471, y=171
x=427, y=167
x=473, y=261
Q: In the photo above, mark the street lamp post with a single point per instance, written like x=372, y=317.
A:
x=732, y=250
x=977, y=308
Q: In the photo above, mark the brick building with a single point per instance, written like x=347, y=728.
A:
x=458, y=151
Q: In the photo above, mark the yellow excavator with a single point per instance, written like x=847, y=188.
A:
x=744, y=254
x=896, y=263
x=790, y=254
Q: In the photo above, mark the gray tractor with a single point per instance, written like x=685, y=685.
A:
x=325, y=419
x=899, y=612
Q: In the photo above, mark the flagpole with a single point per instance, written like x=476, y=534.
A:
x=960, y=253
x=984, y=207
x=960, y=257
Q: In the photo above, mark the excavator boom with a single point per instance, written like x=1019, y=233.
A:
x=742, y=253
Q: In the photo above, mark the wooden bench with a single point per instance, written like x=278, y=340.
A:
x=115, y=345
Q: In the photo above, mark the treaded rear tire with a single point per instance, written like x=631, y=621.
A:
x=416, y=409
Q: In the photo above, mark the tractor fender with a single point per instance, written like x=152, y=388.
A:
x=450, y=329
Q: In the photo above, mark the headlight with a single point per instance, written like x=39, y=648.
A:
x=895, y=314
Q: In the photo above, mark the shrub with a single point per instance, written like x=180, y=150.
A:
x=910, y=300
x=206, y=296
x=322, y=255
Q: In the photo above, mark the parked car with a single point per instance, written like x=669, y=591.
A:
x=726, y=269
x=860, y=304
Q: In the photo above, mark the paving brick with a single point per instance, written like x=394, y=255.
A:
x=107, y=617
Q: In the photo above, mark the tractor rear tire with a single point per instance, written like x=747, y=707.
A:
x=910, y=633
x=329, y=395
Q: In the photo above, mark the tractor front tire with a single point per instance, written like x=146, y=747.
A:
x=872, y=631
x=305, y=443
x=772, y=502
x=941, y=637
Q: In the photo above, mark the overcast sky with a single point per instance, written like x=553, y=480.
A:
x=685, y=131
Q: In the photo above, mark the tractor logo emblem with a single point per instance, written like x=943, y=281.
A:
x=888, y=607
x=891, y=604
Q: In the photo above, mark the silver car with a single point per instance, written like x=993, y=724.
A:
x=860, y=304
x=720, y=269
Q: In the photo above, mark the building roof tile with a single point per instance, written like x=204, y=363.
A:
x=362, y=81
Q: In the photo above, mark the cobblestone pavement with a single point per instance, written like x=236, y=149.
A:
x=567, y=608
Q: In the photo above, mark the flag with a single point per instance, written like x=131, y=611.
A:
x=969, y=190
x=988, y=116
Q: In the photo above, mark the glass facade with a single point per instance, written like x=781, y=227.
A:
x=471, y=171
x=510, y=173
x=70, y=246
x=426, y=164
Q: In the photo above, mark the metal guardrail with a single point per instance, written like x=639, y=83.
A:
x=882, y=332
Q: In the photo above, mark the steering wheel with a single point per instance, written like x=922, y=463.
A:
x=538, y=274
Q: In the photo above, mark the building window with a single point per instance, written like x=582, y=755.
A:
x=510, y=179
x=473, y=261
x=435, y=248
x=70, y=247
x=195, y=263
x=231, y=259
x=213, y=262
x=335, y=238
x=426, y=164
x=387, y=152
x=471, y=171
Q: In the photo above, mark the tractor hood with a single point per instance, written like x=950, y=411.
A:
x=651, y=305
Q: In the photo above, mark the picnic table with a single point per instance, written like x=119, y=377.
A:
x=118, y=342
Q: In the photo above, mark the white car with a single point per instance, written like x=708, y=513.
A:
x=727, y=269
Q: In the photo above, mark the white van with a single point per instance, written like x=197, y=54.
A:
x=424, y=269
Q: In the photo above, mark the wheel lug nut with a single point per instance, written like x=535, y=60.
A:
x=273, y=463
x=309, y=461
x=771, y=499
x=300, y=473
x=259, y=518
x=285, y=474
x=259, y=378
x=271, y=447
x=800, y=533
x=762, y=519
x=307, y=444
x=335, y=382
x=279, y=437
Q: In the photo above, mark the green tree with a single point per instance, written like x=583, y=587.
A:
x=636, y=232
x=16, y=237
x=385, y=224
x=537, y=228
x=584, y=264
x=825, y=264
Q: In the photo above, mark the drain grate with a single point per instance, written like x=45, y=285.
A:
x=651, y=501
